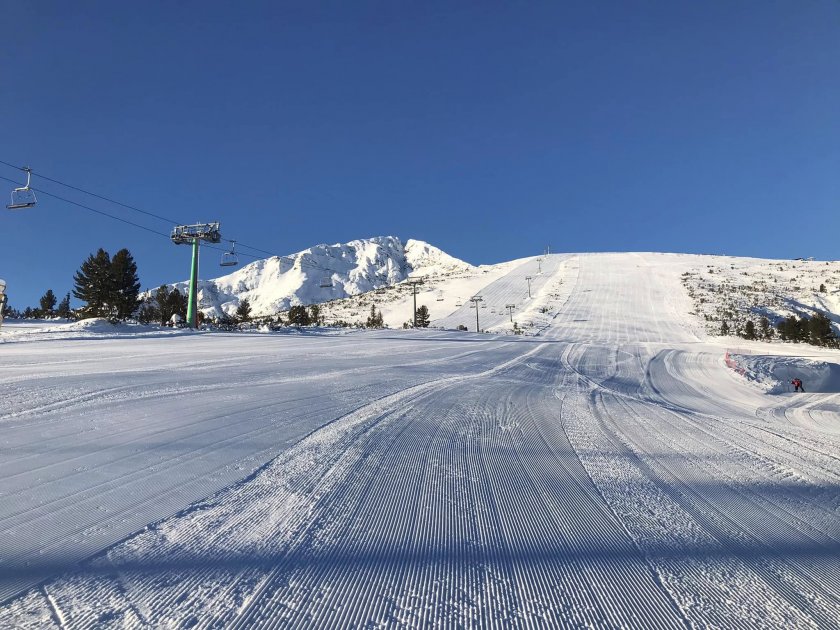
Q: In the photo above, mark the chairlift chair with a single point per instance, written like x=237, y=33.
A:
x=326, y=281
x=229, y=259
x=439, y=297
x=23, y=197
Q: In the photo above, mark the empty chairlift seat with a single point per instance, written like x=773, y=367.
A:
x=23, y=197
x=230, y=259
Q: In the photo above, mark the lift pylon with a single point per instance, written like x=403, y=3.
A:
x=193, y=235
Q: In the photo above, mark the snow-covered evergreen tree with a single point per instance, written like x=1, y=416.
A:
x=93, y=284
x=126, y=287
x=423, y=317
x=47, y=303
x=63, y=309
x=243, y=312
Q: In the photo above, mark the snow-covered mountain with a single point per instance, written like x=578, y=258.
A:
x=323, y=273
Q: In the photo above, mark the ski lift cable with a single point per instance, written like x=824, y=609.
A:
x=142, y=227
x=80, y=205
x=93, y=194
x=110, y=216
x=151, y=214
x=127, y=206
x=105, y=214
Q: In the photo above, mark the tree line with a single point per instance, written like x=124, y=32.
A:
x=109, y=287
x=816, y=330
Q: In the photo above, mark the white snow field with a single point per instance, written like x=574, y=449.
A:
x=609, y=470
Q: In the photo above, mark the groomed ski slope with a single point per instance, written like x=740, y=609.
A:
x=609, y=472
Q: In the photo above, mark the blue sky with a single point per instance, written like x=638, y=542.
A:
x=489, y=129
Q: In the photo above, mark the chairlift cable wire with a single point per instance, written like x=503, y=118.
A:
x=93, y=194
x=124, y=205
x=81, y=205
x=116, y=218
x=142, y=227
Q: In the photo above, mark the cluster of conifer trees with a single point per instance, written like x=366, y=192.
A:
x=161, y=305
x=816, y=330
x=108, y=285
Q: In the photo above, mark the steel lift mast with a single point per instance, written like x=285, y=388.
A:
x=193, y=235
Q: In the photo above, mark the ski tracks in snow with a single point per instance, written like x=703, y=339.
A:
x=590, y=477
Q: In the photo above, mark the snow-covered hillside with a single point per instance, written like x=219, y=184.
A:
x=446, y=293
x=615, y=468
x=736, y=290
x=348, y=279
x=322, y=273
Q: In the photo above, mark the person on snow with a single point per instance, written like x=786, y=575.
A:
x=797, y=385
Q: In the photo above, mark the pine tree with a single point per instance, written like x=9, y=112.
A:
x=299, y=316
x=93, y=284
x=370, y=322
x=63, y=309
x=108, y=286
x=375, y=319
x=126, y=284
x=783, y=328
x=724, y=328
x=793, y=329
x=822, y=288
x=243, y=312
x=149, y=311
x=423, y=318
x=315, y=314
x=766, y=331
x=801, y=328
x=161, y=301
x=47, y=303
x=226, y=322
x=176, y=304
x=749, y=330
x=820, y=332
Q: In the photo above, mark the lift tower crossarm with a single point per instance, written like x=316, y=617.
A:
x=193, y=235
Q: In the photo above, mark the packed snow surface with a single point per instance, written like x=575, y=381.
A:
x=612, y=468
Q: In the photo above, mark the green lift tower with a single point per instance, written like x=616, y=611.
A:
x=193, y=235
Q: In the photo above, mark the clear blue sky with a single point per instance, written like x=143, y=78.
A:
x=486, y=128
